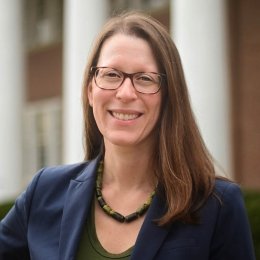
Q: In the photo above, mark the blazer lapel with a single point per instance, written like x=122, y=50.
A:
x=77, y=204
x=151, y=236
x=76, y=207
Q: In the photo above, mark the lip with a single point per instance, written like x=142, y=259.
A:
x=125, y=115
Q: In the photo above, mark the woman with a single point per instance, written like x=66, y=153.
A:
x=148, y=189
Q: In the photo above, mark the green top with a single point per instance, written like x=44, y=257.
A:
x=90, y=247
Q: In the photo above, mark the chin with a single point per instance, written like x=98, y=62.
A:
x=128, y=141
x=120, y=140
x=123, y=142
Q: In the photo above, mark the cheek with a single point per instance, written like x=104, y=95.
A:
x=99, y=101
x=158, y=111
x=94, y=97
x=157, y=105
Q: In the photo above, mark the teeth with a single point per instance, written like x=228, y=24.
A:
x=125, y=117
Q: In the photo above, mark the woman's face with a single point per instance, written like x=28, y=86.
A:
x=124, y=116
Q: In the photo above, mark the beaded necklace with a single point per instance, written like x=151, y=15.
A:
x=109, y=211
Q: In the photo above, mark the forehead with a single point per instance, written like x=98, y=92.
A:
x=121, y=49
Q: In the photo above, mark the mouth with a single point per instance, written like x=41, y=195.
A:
x=125, y=116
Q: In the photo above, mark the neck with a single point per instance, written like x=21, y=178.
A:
x=128, y=169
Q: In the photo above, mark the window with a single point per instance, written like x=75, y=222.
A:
x=42, y=136
x=43, y=22
x=143, y=5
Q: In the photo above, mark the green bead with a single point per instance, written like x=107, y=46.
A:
x=131, y=217
x=109, y=211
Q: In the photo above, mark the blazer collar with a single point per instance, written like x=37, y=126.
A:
x=76, y=207
x=151, y=236
x=77, y=203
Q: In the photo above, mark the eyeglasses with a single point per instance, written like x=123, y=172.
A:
x=111, y=79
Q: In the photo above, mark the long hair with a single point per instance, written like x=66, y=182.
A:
x=183, y=165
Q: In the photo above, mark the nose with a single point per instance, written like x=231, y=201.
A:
x=126, y=91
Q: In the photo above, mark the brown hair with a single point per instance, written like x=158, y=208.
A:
x=183, y=165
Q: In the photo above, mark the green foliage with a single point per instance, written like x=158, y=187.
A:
x=4, y=208
x=252, y=201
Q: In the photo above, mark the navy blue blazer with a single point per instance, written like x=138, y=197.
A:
x=47, y=219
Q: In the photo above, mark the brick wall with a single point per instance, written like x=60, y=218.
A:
x=44, y=73
x=244, y=36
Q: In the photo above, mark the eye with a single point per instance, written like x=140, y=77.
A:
x=111, y=74
x=144, y=78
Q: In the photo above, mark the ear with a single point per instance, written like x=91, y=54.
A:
x=90, y=94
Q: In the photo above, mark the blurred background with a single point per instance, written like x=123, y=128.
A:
x=44, y=48
x=43, y=51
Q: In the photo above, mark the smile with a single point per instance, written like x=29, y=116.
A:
x=123, y=116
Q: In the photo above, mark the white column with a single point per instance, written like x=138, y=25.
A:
x=11, y=97
x=199, y=30
x=82, y=21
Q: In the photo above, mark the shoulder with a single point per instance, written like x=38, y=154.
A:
x=226, y=200
x=41, y=206
x=62, y=174
x=225, y=206
x=51, y=183
x=228, y=193
x=56, y=179
x=232, y=235
x=231, y=215
x=222, y=186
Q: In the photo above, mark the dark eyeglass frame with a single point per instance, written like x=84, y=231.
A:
x=94, y=69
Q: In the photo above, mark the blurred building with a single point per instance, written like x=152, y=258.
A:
x=44, y=47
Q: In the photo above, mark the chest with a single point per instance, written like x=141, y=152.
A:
x=114, y=236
